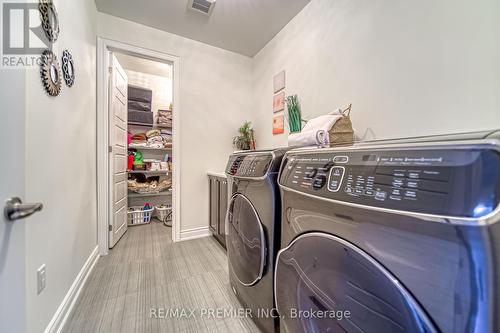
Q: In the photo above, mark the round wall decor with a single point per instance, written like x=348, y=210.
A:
x=50, y=73
x=68, y=68
x=50, y=21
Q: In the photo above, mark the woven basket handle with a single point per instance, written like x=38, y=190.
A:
x=347, y=111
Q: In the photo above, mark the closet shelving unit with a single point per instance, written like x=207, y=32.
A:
x=159, y=197
x=149, y=172
x=145, y=195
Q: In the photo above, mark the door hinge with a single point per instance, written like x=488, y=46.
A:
x=110, y=227
x=110, y=69
x=110, y=149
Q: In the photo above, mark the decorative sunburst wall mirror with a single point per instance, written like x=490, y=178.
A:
x=49, y=18
x=68, y=68
x=50, y=73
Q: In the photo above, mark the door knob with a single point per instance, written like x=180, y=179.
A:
x=15, y=209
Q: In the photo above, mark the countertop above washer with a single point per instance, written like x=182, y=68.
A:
x=216, y=174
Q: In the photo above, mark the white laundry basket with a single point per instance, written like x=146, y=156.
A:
x=164, y=214
x=138, y=215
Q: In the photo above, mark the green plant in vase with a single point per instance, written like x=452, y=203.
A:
x=244, y=140
x=294, y=114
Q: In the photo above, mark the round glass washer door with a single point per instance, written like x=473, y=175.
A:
x=246, y=245
x=325, y=284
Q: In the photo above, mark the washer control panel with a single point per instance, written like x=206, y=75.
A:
x=453, y=182
x=249, y=165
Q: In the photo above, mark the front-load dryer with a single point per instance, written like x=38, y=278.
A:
x=253, y=228
x=395, y=236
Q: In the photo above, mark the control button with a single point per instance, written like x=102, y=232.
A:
x=310, y=173
x=340, y=159
x=335, y=180
x=348, y=189
x=395, y=197
x=399, y=173
x=319, y=182
x=369, y=193
x=413, y=175
x=379, y=195
x=358, y=191
x=412, y=184
x=411, y=194
x=396, y=192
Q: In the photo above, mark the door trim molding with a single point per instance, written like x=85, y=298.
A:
x=59, y=319
x=195, y=233
x=104, y=46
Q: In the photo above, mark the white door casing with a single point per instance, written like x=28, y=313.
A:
x=118, y=151
x=12, y=183
x=104, y=47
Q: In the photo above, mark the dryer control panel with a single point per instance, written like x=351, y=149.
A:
x=457, y=182
x=249, y=165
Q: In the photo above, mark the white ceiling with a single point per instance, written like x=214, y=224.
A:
x=242, y=26
x=144, y=65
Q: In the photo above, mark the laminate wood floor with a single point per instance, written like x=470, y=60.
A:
x=147, y=272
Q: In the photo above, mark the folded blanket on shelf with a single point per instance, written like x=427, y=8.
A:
x=167, y=123
x=138, y=144
x=139, y=136
x=165, y=114
x=167, y=131
x=152, y=133
x=155, y=139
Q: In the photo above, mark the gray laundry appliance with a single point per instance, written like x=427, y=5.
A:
x=391, y=236
x=253, y=227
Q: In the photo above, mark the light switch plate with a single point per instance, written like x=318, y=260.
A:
x=41, y=278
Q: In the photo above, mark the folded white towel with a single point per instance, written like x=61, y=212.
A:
x=308, y=138
x=315, y=132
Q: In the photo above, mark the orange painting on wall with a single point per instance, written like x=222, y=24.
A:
x=279, y=102
x=278, y=125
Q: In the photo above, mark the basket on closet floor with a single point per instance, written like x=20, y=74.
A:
x=138, y=215
x=165, y=214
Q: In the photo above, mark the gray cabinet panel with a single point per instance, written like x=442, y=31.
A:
x=218, y=208
x=214, y=204
x=222, y=208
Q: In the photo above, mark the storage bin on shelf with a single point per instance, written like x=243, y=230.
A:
x=138, y=215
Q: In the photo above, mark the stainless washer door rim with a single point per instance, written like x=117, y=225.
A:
x=406, y=295
x=262, y=238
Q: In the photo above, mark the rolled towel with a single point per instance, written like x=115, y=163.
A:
x=308, y=138
x=315, y=132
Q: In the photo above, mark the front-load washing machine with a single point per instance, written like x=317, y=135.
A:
x=253, y=228
x=395, y=236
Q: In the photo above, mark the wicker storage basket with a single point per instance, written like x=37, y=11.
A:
x=341, y=131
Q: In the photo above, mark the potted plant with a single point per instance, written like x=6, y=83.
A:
x=244, y=141
x=294, y=114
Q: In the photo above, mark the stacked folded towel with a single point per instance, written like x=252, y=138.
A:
x=164, y=118
x=315, y=132
x=152, y=139
x=166, y=134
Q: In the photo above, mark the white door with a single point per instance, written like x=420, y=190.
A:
x=12, y=184
x=118, y=151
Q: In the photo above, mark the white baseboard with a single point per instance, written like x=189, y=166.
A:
x=195, y=233
x=67, y=304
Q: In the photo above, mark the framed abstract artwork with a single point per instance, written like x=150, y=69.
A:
x=278, y=125
x=279, y=102
x=279, y=81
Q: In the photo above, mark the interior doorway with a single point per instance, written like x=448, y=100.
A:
x=138, y=122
